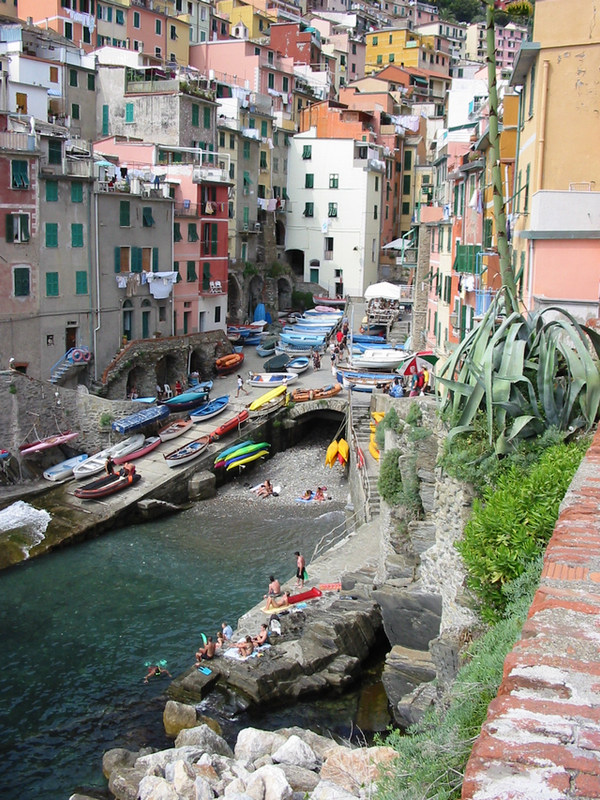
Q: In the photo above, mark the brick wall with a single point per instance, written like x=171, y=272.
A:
x=541, y=738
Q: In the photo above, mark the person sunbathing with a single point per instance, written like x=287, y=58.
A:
x=274, y=587
x=262, y=636
x=277, y=602
x=266, y=489
x=245, y=648
x=307, y=495
x=320, y=494
x=207, y=652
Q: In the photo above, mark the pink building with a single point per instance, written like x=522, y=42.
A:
x=508, y=42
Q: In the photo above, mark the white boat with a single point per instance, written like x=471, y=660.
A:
x=379, y=359
x=65, y=469
x=271, y=379
x=298, y=365
x=175, y=429
x=95, y=464
x=188, y=452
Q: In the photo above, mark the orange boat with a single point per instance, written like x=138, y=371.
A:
x=230, y=425
x=303, y=395
x=229, y=363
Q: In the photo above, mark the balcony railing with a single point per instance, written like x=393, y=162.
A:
x=68, y=166
x=12, y=140
x=210, y=173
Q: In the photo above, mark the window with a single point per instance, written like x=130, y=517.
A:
x=147, y=218
x=81, y=282
x=380, y=59
x=191, y=272
x=309, y=181
x=390, y=39
x=87, y=35
x=487, y=233
x=207, y=117
x=252, y=122
x=17, y=228
x=195, y=115
x=307, y=152
x=91, y=82
x=119, y=16
x=353, y=66
x=309, y=209
x=54, y=151
x=221, y=138
x=354, y=49
x=75, y=110
x=376, y=183
x=68, y=35
x=76, y=192
x=263, y=159
x=328, y=247
x=51, y=284
x=51, y=191
x=136, y=19
x=333, y=209
x=375, y=41
x=374, y=212
x=406, y=184
x=224, y=29
x=19, y=175
x=155, y=259
x=407, y=160
x=406, y=208
x=128, y=112
x=173, y=32
x=285, y=165
x=73, y=81
x=314, y=274
x=206, y=277
x=217, y=313
x=334, y=180
x=76, y=234
x=391, y=58
x=177, y=237
x=104, y=120
x=124, y=214
x=526, y=190
x=53, y=74
x=158, y=52
x=275, y=164
x=21, y=281
x=264, y=129
x=271, y=80
x=342, y=60
x=158, y=27
x=231, y=141
x=51, y=234
x=285, y=84
x=232, y=171
x=192, y=232
x=246, y=149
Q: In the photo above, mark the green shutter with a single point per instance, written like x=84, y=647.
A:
x=20, y=178
x=21, y=278
x=147, y=218
x=117, y=259
x=76, y=234
x=155, y=259
x=246, y=149
x=207, y=117
x=177, y=237
x=52, y=284
x=192, y=232
x=76, y=192
x=91, y=82
x=10, y=228
x=136, y=259
x=191, y=271
x=263, y=128
x=195, y=115
x=214, y=243
x=309, y=181
x=105, y=120
x=206, y=277
x=128, y=112
x=81, y=282
x=52, y=191
x=51, y=234
x=124, y=214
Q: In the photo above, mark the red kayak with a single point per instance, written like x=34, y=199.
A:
x=43, y=444
x=231, y=425
x=310, y=594
x=150, y=444
x=109, y=484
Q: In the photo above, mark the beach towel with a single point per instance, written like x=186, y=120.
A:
x=234, y=654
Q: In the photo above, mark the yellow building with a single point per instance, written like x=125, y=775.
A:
x=557, y=186
x=255, y=20
x=405, y=48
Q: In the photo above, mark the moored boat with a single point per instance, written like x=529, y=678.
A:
x=266, y=348
x=63, y=470
x=229, y=363
x=149, y=444
x=211, y=409
x=304, y=395
x=188, y=452
x=379, y=359
x=298, y=365
x=105, y=486
x=273, y=394
x=94, y=464
x=44, y=444
x=141, y=418
x=175, y=429
x=272, y=378
x=277, y=363
x=302, y=339
x=186, y=401
x=231, y=425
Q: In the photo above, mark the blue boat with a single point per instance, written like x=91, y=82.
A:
x=210, y=409
x=205, y=386
x=186, y=401
x=302, y=339
x=266, y=348
x=298, y=365
x=254, y=339
x=141, y=418
x=366, y=339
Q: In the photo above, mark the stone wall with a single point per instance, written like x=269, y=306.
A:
x=542, y=733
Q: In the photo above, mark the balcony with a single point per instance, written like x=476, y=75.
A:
x=210, y=173
x=11, y=140
x=68, y=166
x=212, y=287
x=187, y=209
x=248, y=227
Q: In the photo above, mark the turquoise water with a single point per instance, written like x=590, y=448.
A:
x=77, y=626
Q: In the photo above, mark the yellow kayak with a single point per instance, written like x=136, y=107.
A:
x=265, y=398
x=332, y=452
x=373, y=449
x=250, y=457
x=343, y=449
x=378, y=416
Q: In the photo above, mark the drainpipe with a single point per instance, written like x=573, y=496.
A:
x=97, y=328
x=89, y=214
x=542, y=139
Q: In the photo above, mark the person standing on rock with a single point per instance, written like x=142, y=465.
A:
x=300, y=570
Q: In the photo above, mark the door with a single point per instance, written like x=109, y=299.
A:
x=145, y=324
x=186, y=321
x=201, y=321
x=70, y=338
x=127, y=320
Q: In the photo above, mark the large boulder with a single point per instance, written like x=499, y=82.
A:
x=410, y=619
x=413, y=706
x=352, y=769
x=154, y=788
x=253, y=743
x=203, y=790
x=177, y=717
x=183, y=777
x=117, y=758
x=404, y=670
x=321, y=745
x=326, y=790
x=204, y=737
x=125, y=781
x=299, y=778
x=158, y=761
x=274, y=781
x=295, y=751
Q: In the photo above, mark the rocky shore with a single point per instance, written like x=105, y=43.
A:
x=288, y=764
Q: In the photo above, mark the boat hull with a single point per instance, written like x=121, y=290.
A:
x=59, y=472
x=45, y=444
x=103, y=487
x=216, y=406
x=175, y=429
x=149, y=445
x=298, y=365
x=268, y=379
x=302, y=340
x=188, y=452
x=229, y=363
x=243, y=460
x=231, y=425
x=304, y=395
x=266, y=398
x=140, y=419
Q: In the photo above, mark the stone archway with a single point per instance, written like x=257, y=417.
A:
x=284, y=294
x=234, y=299
x=255, y=294
x=295, y=259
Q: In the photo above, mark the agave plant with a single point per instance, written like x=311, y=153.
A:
x=526, y=372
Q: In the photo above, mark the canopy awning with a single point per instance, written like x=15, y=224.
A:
x=383, y=291
x=396, y=244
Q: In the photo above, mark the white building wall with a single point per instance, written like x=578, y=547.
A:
x=355, y=231
x=460, y=97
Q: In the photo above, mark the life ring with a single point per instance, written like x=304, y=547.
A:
x=86, y=355
x=77, y=356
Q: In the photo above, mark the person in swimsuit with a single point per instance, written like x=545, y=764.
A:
x=245, y=648
x=300, y=565
x=274, y=587
x=262, y=636
x=155, y=670
x=207, y=652
x=278, y=602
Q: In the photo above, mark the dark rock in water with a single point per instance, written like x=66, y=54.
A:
x=155, y=509
x=410, y=619
x=405, y=669
x=119, y=758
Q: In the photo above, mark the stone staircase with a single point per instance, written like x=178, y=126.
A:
x=361, y=420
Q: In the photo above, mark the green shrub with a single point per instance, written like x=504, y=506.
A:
x=418, y=434
x=380, y=435
x=433, y=753
x=389, y=484
x=415, y=415
x=512, y=523
x=250, y=269
x=302, y=300
x=276, y=270
x=105, y=419
x=12, y=389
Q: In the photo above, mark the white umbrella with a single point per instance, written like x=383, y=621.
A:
x=383, y=291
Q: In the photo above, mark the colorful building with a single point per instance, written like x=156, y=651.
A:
x=405, y=48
